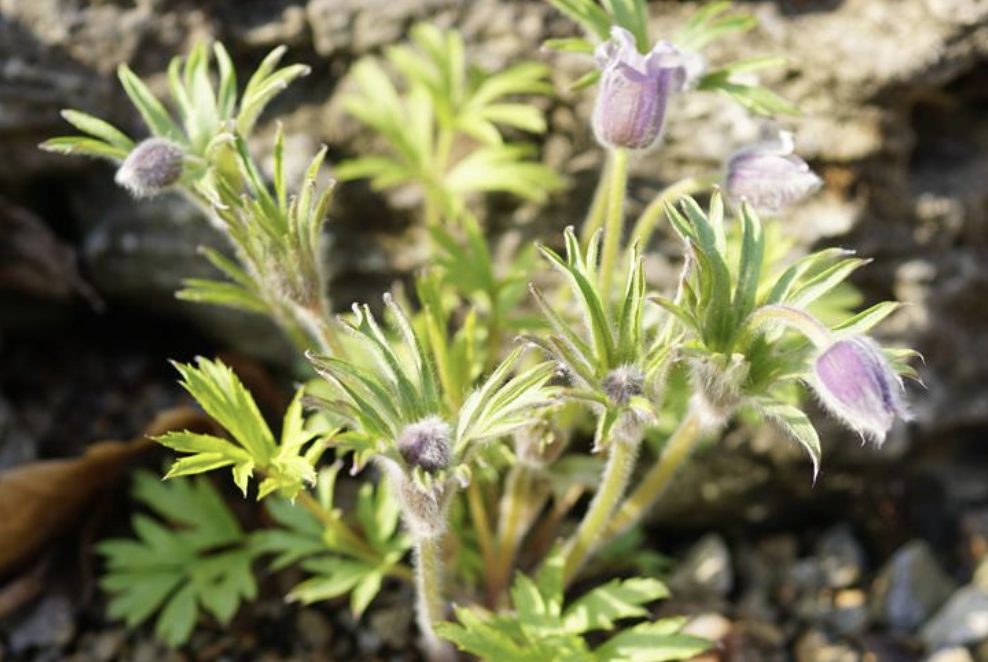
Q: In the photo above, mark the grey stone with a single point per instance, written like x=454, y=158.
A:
x=358, y=26
x=841, y=557
x=849, y=614
x=314, y=629
x=817, y=646
x=951, y=655
x=140, y=255
x=963, y=620
x=49, y=624
x=909, y=587
x=393, y=624
x=705, y=571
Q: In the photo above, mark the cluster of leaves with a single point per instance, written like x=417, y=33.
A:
x=466, y=267
x=707, y=25
x=379, y=403
x=278, y=241
x=201, y=563
x=287, y=466
x=539, y=628
x=208, y=116
x=341, y=557
x=446, y=102
x=193, y=557
x=616, y=338
x=720, y=310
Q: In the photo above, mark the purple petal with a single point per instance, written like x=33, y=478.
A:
x=856, y=383
x=634, y=91
x=769, y=177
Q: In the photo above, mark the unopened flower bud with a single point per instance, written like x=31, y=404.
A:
x=624, y=383
x=635, y=90
x=151, y=167
x=857, y=385
x=769, y=176
x=425, y=444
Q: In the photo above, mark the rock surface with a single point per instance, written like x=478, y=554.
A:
x=910, y=587
x=962, y=621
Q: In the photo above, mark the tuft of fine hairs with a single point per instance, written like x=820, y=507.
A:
x=624, y=383
x=151, y=167
x=425, y=444
x=719, y=386
x=424, y=507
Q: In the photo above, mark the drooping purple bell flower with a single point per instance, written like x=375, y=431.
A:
x=857, y=385
x=151, y=167
x=635, y=90
x=769, y=176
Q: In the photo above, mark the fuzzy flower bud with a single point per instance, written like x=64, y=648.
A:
x=622, y=386
x=623, y=383
x=426, y=444
x=635, y=90
x=151, y=167
x=856, y=384
x=769, y=176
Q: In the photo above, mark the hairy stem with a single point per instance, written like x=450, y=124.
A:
x=430, y=607
x=618, y=179
x=617, y=473
x=676, y=450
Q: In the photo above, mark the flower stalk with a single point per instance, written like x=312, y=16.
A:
x=653, y=485
x=519, y=504
x=618, y=177
x=430, y=606
x=617, y=474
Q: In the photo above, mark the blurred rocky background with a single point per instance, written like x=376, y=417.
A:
x=895, y=100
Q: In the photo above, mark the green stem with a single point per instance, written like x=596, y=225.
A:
x=617, y=473
x=676, y=450
x=358, y=545
x=598, y=207
x=515, y=508
x=615, y=220
x=430, y=607
x=650, y=217
x=545, y=534
x=475, y=502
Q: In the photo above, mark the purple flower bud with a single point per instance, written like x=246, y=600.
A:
x=426, y=444
x=857, y=385
x=151, y=167
x=769, y=176
x=635, y=90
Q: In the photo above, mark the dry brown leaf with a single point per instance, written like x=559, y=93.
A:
x=40, y=500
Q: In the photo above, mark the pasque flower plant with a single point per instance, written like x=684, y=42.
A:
x=463, y=412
